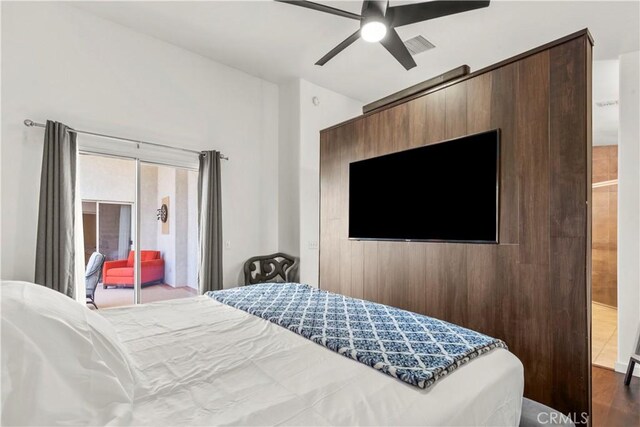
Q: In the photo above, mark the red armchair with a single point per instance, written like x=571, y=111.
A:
x=120, y=272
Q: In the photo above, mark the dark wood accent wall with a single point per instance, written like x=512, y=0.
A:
x=402, y=95
x=533, y=288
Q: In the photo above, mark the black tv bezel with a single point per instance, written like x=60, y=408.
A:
x=487, y=242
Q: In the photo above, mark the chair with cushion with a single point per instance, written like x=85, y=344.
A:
x=535, y=414
x=120, y=272
x=278, y=267
x=92, y=276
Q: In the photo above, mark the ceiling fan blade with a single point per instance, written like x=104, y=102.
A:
x=394, y=44
x=323, y=8
x=418, y=12
x=342, y=46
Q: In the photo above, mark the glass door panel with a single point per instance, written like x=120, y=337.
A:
x=168, y=232
x=114, y=230
x=115, y=225
x=90, y=229
x=107, y=189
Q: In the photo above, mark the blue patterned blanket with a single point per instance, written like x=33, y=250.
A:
x=416, y=349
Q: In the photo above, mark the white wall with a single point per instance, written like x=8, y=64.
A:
x=61, y=63
x=289, y=168
x=628, y=209
x=332, y=109
x=300, y=125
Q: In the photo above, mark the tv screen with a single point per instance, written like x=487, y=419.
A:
x=446, y=191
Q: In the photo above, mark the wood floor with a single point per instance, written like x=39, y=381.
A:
x=614, y=404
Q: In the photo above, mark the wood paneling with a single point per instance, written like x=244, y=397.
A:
x=419, y=88
x=534, y=285
x=531, y=289
x=568, y=210
x=532, y=133
x=503, y=104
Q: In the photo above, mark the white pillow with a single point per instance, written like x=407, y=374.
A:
x=61, y=362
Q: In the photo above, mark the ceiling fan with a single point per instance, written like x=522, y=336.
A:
x=378, y=22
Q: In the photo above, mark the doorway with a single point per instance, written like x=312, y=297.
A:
x=604, y=252
x=124, y=199
x=604, y=215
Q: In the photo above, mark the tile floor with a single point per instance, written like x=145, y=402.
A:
x=120, y=297
x=604, y=335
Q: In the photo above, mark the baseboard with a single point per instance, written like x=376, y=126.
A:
x=608, y=368
x=622, y=368
x=604, y=305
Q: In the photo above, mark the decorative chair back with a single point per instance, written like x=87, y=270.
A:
x=93, y=272
x=278, y=267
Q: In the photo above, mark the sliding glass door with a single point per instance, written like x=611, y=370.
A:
x=107, y=190
x=168, y=232
x=142, y=218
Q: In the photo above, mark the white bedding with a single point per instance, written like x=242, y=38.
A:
x=61, y=363
x=200, y=362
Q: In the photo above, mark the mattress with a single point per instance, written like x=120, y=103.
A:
x=200, y=362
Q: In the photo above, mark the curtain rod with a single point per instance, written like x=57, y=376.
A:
x=31, y=123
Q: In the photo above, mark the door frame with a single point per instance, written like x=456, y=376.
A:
x=136, y=213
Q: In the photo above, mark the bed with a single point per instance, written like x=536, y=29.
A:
x=198, y=361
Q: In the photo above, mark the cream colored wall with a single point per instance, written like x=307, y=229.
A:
x=148, y=206
x=179, y=246
x=167, y=242
x=180, y=209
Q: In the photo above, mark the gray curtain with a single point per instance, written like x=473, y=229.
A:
x=209, y=222
x=55, y=245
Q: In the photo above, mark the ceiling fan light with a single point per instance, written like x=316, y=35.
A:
x=373, y=31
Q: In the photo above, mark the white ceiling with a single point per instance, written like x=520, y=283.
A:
x=278, y=41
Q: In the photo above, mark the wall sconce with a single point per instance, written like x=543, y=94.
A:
x=162, y=213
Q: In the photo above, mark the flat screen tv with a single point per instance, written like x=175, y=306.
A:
x=445, y=192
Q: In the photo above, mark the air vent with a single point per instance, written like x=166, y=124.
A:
x=602, y=104
x=418, y=44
